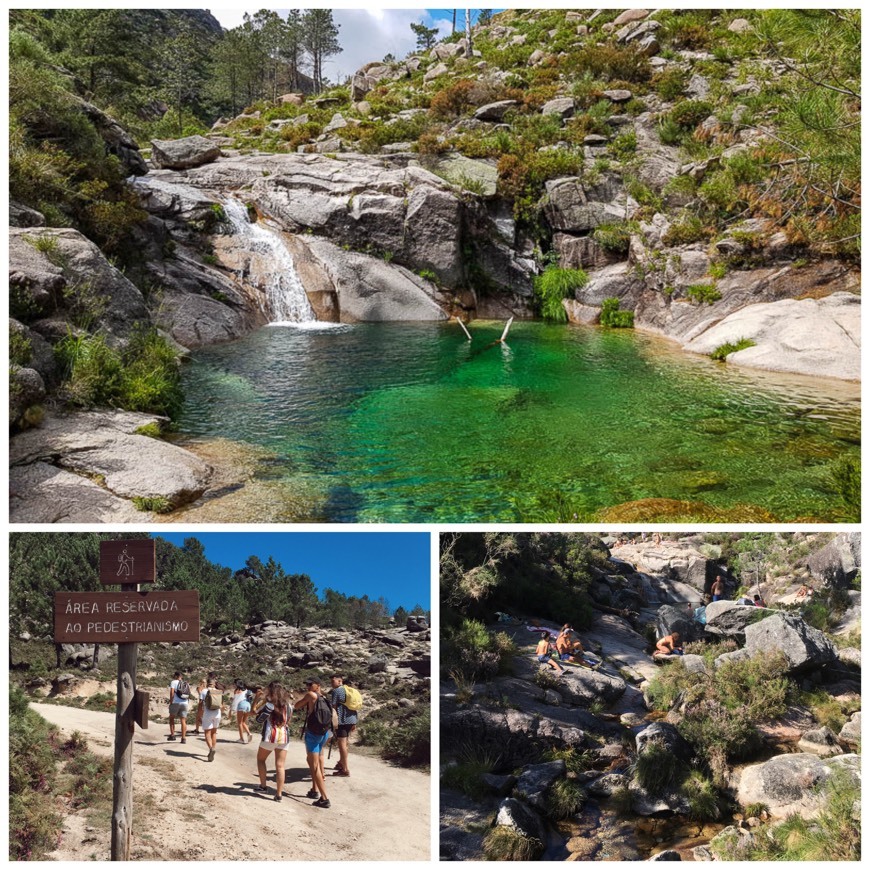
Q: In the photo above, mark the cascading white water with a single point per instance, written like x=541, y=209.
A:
x=270, y=267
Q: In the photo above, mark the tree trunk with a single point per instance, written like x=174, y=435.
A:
x=453, y=30
x=468, y=53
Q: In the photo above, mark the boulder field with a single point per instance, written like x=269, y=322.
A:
x=528, y=725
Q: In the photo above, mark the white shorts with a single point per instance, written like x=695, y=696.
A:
x=211, y=719
x=282, y=746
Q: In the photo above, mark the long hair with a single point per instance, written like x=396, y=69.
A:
x=279, y=696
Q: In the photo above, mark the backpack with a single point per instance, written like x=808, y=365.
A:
x=214, y=698
x=249, y=696
x=320, y=718
x=353, y=698
x=182, y=689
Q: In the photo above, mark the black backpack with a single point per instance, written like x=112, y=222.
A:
x=182, y=690
x=320, y=718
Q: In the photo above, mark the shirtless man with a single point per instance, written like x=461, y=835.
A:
x=718, y=589
x=670, y=645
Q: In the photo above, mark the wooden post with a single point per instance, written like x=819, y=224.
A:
x=122, y=778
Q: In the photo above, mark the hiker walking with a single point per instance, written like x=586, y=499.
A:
x=241, y=706
x=199, y=708
x=179, y=704
x=211, y=700
x=347, y=719
x=273, y=714
x=318, y=723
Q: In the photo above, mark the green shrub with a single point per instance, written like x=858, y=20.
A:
x=703, y=293
x=152, y=504
x=657, y=769
x=613, y=237
x=506, y=844
x=689, y=113
x=576, y=760
x=555, y=284
x=721, y=353
x=624, y=146
x=670, y=84
x=521, y=177
x=475, y=653
x=564, y=799
x=608, y=62
x=34, y=824
x=613, y=317
x=20, y=348
x=90, y=369
x=471, y=763
x=702, y=796
x=670, y=132
x=687, y=229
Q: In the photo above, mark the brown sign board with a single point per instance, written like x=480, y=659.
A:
x=130, y=561
x=141, y=702
x=126, y=617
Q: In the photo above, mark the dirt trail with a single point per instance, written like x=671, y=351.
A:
x=182, y=802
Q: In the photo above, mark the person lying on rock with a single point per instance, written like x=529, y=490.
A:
x=567, y=646
x=669, y=645
x=542, y=652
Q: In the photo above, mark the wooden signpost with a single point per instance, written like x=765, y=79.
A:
x=128, y=617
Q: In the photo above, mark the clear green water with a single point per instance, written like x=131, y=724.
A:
x=412, y=423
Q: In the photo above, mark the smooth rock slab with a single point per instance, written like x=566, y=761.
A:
x=105, y=444
x=730, y=619
x=819, y=337
x=42, y=493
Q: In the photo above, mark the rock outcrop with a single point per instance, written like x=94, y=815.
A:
x=803, y=646
x=183, y=153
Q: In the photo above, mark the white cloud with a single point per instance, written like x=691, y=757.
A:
x=365, y=34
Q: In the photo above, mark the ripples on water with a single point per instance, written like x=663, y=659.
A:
x=411, y=422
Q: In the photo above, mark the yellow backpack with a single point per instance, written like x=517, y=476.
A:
x=353, y=699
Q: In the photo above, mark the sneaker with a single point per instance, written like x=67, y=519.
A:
x=340, y=773
x=323, y=803
x=313, y=793
x=183, y=739
x=171, y=737
x=250, y=738
x=241, y=740
x=277, y=798
x=260, y=788
x=211, y=755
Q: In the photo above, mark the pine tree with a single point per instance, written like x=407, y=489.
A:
x=426, y=36
x=320, y=40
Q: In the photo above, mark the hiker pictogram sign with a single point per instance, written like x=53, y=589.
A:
x=126, y=617
x=127, y=562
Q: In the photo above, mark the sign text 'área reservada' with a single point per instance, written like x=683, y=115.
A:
x=126, y=617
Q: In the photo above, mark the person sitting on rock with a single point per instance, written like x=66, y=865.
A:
x=566, y=647
x=718, y=589
x=542, y=651
x=758, y=601
x=669, y=645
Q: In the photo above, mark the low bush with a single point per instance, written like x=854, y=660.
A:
x=476, y=653
x=687, y=114
x=555, y=284
x=614, y=237
x=657, y=769
x=401, y=735
x=564, y=799
x=611, y=315
x=722, y=352
x=465, y=774
x=703, y=294
x=521, y=177
x=506, y=844
x=686, y=229
x=609, y=62
x=670, y=84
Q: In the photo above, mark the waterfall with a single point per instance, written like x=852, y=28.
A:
x=270, y=267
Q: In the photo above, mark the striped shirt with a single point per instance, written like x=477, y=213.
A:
x=273, y=733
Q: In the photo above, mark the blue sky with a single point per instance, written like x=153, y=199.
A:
x=395, y=565
x=366, y=34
